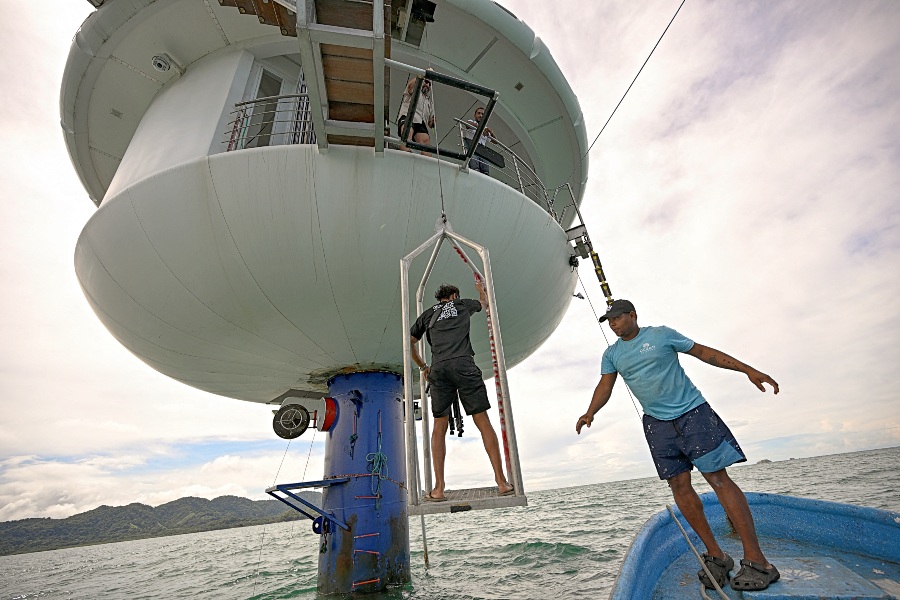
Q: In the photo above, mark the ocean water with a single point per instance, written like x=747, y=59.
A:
x=568, y=543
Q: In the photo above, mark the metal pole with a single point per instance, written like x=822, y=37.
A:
x=518, y=174
x=426, y=413
x=462, y=144
x=412, y=471
x=413, y=490
x=515, y=470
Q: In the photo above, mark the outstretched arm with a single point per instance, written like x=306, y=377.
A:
x=719, y=359
x=482, y=295
x=601, y=396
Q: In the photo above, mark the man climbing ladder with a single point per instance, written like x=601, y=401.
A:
x=453, y=371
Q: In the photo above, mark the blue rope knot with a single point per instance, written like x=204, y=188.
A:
x=377, y=465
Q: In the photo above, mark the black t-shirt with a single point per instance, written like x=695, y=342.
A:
x=450, y=334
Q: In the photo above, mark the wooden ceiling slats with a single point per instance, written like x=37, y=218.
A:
x=341, y=13
x=266, y=13
x=246, y=7
x=347, y=69
x=287, y=21
x=346, y=140
x=333, y=50
x=351, y=111
x=349, y=91
x=349, y=80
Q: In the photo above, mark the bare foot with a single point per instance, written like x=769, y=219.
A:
x=435, y=494
x=504, y=489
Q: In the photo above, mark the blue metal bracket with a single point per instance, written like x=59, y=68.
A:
x=285, y=488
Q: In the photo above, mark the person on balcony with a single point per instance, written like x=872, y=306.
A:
x=423, y=115
x=453, y=371
x=477, y=162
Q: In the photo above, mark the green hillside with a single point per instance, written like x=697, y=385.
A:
x=137, y=521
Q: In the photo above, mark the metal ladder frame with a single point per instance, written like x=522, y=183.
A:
x=443, y=231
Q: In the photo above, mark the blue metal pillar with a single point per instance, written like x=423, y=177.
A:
x=366, y=444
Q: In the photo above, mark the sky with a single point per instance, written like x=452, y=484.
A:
x=745, y=193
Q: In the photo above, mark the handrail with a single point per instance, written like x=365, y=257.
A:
x=502, y=145
x=520, y=176
x=270, y=98
x=286, y=120
x=270, y=121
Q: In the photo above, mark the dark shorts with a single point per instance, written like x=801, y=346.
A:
x=480, y=165
x=477, y=163
x=457, y=376
x=698, y=438
x=416, y=127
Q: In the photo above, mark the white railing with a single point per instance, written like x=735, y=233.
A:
x=511, y=170
x=283, y=120
x=270, y=121
x=517, y=174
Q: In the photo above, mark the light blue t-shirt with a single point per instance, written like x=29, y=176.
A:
x=649, y=364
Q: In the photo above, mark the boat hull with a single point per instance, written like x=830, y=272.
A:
x=822, y=549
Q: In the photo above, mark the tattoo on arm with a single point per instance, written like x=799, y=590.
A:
x=723, y=361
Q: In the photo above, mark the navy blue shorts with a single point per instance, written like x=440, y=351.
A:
x=457, y=376
x=698, y=438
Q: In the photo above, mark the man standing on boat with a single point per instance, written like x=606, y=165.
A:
x=684, y=432
x=453, y=371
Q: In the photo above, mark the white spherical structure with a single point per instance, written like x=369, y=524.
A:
x=262, y=270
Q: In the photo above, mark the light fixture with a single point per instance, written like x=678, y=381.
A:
x=163, y=62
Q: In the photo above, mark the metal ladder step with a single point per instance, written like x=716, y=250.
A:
x=466, y=500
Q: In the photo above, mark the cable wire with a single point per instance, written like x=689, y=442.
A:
x=309, y=453
x=603, y=331
x=262, y=535
x=434, y=111
x=569, y=178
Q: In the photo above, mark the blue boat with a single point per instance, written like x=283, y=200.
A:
x=822, y=549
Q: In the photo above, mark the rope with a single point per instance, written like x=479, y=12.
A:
x=308, y=454
x=377, y=466
x=494, y=363
x=697, y=554
x=437, y=146
x=400, y=484
x=568, y=179
x=603, y=331
x=449, y=131
x=262, y=535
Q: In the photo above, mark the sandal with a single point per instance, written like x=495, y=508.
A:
x=754, y=576
x=719, y=568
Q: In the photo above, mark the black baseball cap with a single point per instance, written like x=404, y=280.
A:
x=618, y=307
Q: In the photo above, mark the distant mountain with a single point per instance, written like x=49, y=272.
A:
x=137, y=521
